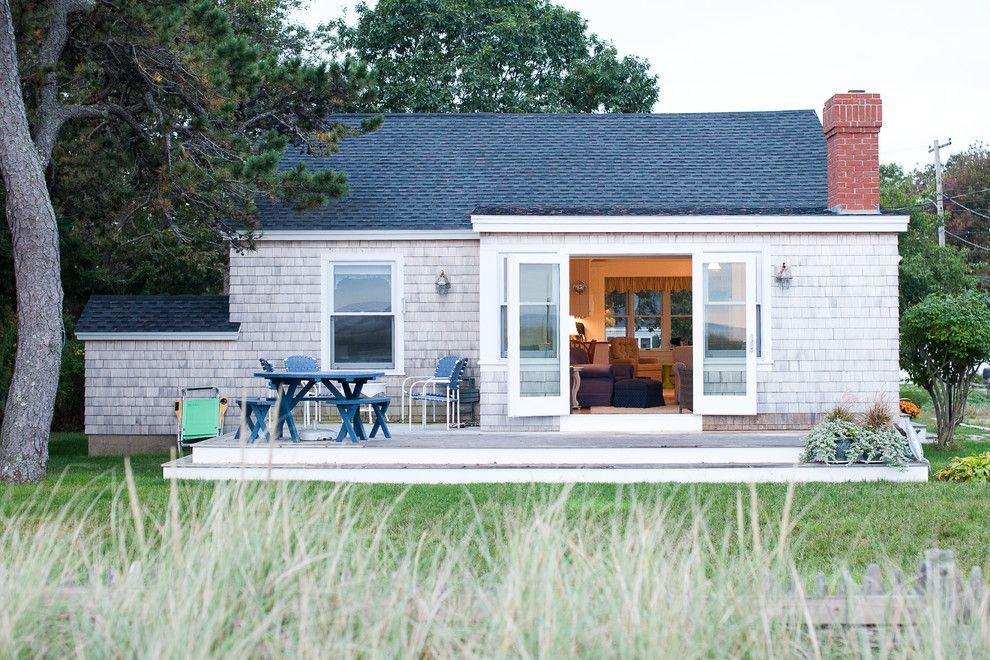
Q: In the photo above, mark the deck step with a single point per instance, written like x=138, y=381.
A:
x=332, y=453
x=418, y=473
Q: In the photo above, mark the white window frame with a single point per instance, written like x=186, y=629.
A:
x=365, y=258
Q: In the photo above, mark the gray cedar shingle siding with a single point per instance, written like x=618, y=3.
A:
x=164, y=313
x=431, y=171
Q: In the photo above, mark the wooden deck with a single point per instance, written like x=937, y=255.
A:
x=435, y=455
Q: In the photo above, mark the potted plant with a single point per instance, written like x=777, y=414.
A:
x=829, y=441
x=878, y=441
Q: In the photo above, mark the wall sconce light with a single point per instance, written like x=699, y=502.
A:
x=442, y=284
x=783, y=277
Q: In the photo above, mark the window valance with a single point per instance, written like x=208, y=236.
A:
x=647, y=283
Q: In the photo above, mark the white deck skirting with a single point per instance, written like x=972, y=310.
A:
x=431, y=456
x=184, y=468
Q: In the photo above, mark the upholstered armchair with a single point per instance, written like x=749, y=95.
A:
x=625, y=350
x=597, y=380
x=684, y=355
x=684, y=389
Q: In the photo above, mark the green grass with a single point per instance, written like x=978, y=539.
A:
x=837, y=524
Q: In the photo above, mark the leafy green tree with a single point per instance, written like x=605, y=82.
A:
x=493, y=56
x=926, y=267
x=944, y=339
x=152, y=128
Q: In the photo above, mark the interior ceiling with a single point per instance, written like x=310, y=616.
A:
x=634, y=258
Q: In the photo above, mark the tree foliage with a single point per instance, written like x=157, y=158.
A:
x=926, y=267
x=158, y=125
x=966, y=186
x=944, y=339
x=493, y=56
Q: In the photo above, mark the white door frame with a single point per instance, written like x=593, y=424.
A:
x=495, y=247
x=559, y=404
x=724, y=404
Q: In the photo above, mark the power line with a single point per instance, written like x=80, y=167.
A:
x=968, y=194
x=960, y=238
x=963, y=206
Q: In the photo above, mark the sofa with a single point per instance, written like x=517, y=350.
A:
x=597, y=380
x=684, y=391
x=683, y=355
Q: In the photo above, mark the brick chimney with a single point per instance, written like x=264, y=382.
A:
x=852, y=125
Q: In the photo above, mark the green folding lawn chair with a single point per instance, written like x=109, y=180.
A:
x=201, y=417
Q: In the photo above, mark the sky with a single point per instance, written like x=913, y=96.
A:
x=928, y=60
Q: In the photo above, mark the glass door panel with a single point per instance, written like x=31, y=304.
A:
x=725, y=345
x=536, y=340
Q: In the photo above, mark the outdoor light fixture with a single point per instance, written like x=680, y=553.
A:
x=783, y=277
x=442, y=284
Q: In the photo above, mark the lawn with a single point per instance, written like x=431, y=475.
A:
x=837, y=524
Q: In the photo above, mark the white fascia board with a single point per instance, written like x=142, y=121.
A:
x=368, y=235
x=157, y=336
x=735, y=224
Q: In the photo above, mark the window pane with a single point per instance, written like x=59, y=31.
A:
x=615, y=302
x=615, y=326
x=503, y=330
x=647, y=303
x=725, y=282
x=538, y=331
x=362, y=288
x=362, y=340
x=539, y=283
x=680, y=329
x=648, y=331
x=680, y=302
x=725, y=331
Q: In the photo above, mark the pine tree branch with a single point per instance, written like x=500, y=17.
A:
x=50, y=117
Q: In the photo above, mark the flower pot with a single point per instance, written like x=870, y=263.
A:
x=840, y=452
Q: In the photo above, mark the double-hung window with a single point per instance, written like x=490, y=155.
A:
x=363, y=323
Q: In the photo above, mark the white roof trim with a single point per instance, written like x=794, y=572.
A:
x=368, y=235
x=157, y=336
x=735, y=224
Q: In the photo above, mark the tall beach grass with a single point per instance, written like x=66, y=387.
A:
x=286, y=570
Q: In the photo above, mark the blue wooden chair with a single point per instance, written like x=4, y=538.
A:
x=307, y=363
x=441, y=373
x=446, y=391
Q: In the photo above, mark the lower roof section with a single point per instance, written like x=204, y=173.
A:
x=165, y=317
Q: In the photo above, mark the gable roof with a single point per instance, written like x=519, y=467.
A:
x=181, y=314
x=431, y=171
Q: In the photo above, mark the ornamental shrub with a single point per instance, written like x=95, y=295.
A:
x=944, y=339
x=967, y=468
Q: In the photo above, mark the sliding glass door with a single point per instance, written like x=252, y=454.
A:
x=537, y=336
x=725, y=338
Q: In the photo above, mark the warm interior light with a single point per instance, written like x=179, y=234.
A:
x=573, y=325
x=714, y=266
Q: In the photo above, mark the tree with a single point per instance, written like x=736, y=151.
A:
x=944, y=339
x=966, y=186
x=493, y=56
x=925, y=267
x=178, y=117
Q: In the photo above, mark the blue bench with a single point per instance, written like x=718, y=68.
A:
x=254, y=417
x=350, y=416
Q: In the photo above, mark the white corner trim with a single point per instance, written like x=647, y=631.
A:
x=749, y=224
x=157, y=336
x=368, y=235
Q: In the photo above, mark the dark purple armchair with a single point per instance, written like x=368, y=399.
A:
x=597, y=380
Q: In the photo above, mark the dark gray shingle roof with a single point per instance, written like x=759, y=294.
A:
x=165, y=313
x=431, y=171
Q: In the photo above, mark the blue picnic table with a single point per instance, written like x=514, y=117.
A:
x=345, y=393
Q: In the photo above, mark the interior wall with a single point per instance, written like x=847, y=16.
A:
x=600, y=268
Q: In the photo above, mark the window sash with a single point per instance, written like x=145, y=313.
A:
x=392, y=314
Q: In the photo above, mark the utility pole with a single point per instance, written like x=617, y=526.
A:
x=938, y=187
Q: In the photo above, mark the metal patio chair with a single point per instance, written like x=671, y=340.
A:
x=441, y=390
x=441, y=373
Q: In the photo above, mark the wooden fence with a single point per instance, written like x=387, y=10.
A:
x=937, y=588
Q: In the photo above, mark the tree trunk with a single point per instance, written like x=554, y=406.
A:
x=34, y=233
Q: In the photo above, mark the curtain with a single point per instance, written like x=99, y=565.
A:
x=664, y=283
